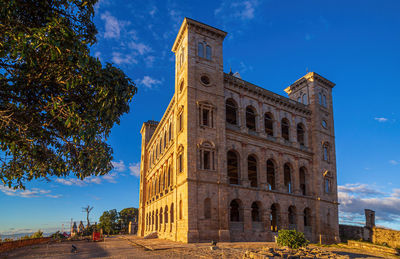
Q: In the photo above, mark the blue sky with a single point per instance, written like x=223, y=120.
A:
x=271, y=44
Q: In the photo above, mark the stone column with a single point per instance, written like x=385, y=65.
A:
x=296, y=177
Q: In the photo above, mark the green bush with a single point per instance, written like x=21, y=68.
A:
x=37, y=234
x=291, y=238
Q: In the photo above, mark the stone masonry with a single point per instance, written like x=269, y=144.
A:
x=231, y=161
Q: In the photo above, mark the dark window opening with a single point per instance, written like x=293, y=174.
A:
x=234, y=211
x=285, y=129
x=255, y=214
x=269, y=125
x=250, y=119
x=300, y=134
x=271, y=175
x=233, y=168
x=231, y=111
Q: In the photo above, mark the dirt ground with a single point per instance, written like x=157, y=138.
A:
x=133, y=247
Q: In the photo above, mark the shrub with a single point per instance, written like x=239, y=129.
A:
x=291, y=238
x=37, y=234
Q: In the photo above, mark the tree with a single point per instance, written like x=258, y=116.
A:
x=57, y=103
x=37, y=234
x=109, y=221
x=87, y=209
x=126, y=215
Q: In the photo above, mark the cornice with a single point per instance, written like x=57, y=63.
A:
x=199, y=27
x=161, y=123
x=310, y=77
x=261, y=92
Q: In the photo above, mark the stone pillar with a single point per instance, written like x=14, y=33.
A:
x=130, y=230
x=296, y=177
x=369, y=218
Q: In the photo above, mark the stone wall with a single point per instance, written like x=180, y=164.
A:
x=383, y=236
x=11, y=245
x=348, y=232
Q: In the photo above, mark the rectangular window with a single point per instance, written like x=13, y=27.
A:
x=180, y=121
x=206, y=159
x=180, y=163
x=206, y=114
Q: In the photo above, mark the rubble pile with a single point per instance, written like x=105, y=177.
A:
x=284, y=252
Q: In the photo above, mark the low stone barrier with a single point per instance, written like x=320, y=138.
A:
x=11, y=245
x=372, y=247
x=303, y=253
x=389, y=237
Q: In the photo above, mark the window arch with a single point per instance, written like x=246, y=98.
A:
x=252, y=170
x=300, y=134
x=292, y=217
x=233, y=167
x=269, y=124
x=250, y=118
x=274, y=217
x=207, y=208
x=255, y=212
x=287, y=177
x=271, y=174
x=231, y=111
x=235, y=211
x=325, y=154
x=302, y=176
x=285, y=129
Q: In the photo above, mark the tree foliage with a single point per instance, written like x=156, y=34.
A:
x=109, y=222
x=57, y=103
x=126, y=215
x=291, y=238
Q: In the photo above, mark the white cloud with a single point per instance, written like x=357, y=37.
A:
x=110, y=177
x=120, y=59
x=381, y=119
x=134, y=169
x=33, y=193
x=112, y=26
x=140, y=47
x=243, y=10
x=119, y=166
x=149, y=60
x=354, y=198
x=393, y=162
x=148, y=82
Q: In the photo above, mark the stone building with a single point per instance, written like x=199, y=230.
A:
x=231, y=161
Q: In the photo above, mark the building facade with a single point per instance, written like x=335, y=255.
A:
x=231, y=161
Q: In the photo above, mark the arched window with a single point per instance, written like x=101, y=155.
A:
x=324, y=100
x=156, y=219
x=269, y=124
x=169, y=176
x=285, y=129
x=327, y=182
x=166, y=214
x=208, y=52
x=207, y=156
x=165, y=139
x=250, y=118
x=320, y=98
x=252, y=170
x=300, y=134
x=271, y=174
x=255, y=213
x=305, y=99
x=233, y=167
x=274, y=217
x=180, y=210
x=235, y=211
x=207, y=208
x=161, y=217
x=200, y=50
x=307, y=217
x=287, y=177
x=325, y=154
x=292, y=217
x=302, y=176
x=231, y=112
x=171, y=212
x=170, y=132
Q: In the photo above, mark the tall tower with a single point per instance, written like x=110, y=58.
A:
x=199, y=88
x=316, y=92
